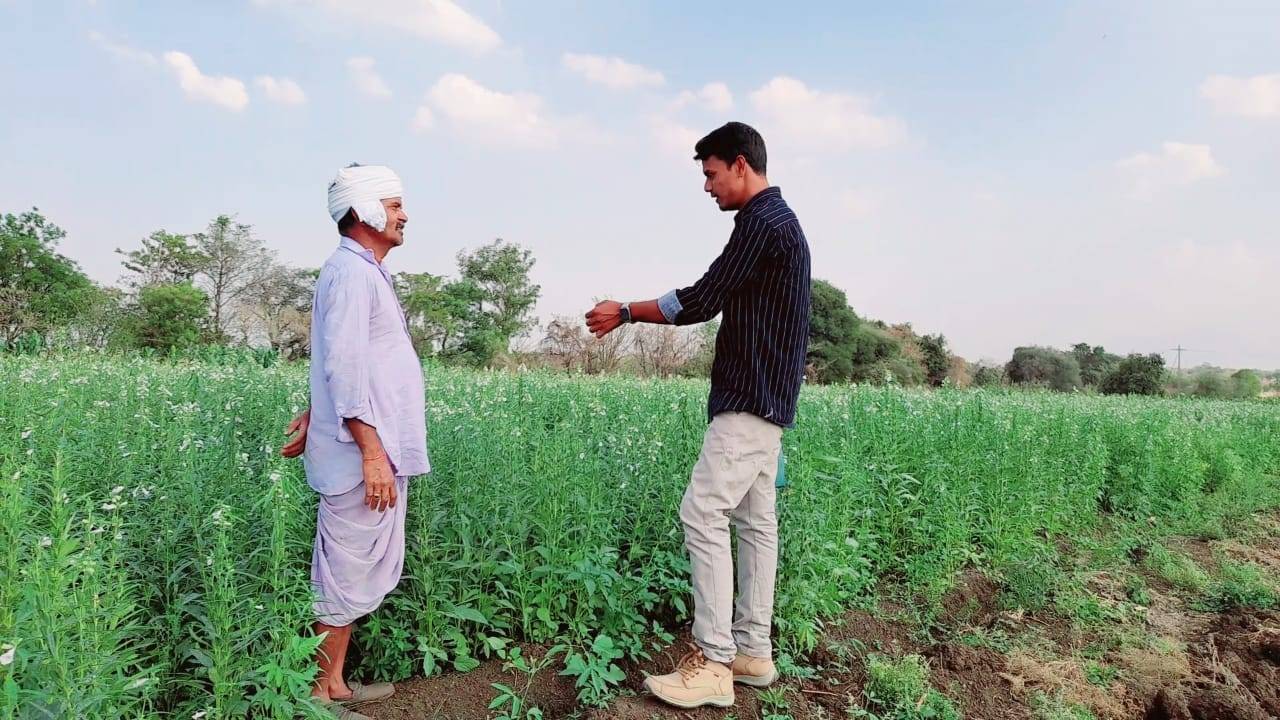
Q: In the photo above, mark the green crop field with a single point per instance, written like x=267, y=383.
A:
x=154, y=548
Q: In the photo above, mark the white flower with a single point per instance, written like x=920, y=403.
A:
x=108, y=506
x=274, y=477
x=7, y=657
x=46, y=541
x=199, y=715
x=217, y=515
x=137, y=684
x=258, y=607
x=117, y=490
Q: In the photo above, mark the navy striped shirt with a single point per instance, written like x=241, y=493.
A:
x=761, y=284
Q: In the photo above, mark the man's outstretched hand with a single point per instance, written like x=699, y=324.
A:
x=297, y=431
x=604, y=318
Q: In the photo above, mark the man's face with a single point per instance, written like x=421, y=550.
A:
x=726, y=183
x=396, y=220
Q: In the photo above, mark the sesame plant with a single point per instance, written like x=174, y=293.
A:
x=155, y=549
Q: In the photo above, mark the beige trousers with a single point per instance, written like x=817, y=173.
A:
x=733, y=480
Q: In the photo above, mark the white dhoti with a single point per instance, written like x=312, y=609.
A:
x=358, y=555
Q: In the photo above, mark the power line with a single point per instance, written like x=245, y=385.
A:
x=1181, y=350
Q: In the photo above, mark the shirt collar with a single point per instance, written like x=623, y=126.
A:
x=773, y=191
x=358, y=249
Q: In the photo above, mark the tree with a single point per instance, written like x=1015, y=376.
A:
x=1136, y=375
x=664, y=350
x=937, y=359
x=1246, y=385
x=704, y=357
x=1043, y=367
x=1095, y=362
x=277, y=308
x=876, y=351
x=568, y=342
x=170, y=317
x=474, y=339
x=833, y=329
x=102, y=324
x=498, y=285
x=39, y=289
x=234, y=263
x=165, y=258
x=432, y=312
x=987, y=376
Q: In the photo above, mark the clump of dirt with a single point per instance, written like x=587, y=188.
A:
x=467, y=695
x=978, y=680
x=971, y=603
x=1235, y=672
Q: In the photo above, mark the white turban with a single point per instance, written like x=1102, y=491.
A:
x=363, y=188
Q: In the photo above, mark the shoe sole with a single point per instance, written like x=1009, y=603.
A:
x=757, y=681
x=717, y=702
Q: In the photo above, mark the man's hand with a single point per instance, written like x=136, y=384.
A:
x=604, y=318
x=298, y=441
x=379, y=483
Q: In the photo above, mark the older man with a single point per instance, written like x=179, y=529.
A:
x=364, y=435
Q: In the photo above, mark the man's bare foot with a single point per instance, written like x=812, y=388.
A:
x=339, y=691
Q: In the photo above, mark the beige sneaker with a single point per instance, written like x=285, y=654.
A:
x=754, y=671
x=697, y=681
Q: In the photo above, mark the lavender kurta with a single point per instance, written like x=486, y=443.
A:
x=363, y=366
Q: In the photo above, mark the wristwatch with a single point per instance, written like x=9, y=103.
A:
x=625, y=312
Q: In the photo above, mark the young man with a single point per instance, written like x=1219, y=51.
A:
x=760, y=283
x=365, y=433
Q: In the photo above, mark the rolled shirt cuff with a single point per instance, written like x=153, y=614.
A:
x=670, y=307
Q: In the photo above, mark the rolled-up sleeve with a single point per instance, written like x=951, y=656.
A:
x=669, y=306
x=704, y=299
x=345, y=327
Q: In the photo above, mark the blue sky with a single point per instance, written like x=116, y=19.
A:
x=1004, y=173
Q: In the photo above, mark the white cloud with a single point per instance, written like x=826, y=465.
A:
x=1257, y=96
x=818, y=120
x=280, y=90
x=442, y=21
x=713, y=96
x=423, y=119
x=672, y=137
x=612, y=72
x=489, y=116
x=366, y=78
x=1177, y=164
x=123, y=52
x=228, y=92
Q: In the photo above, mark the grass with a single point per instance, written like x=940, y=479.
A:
x=898, y=689
x=154, y=549
x=1178, y=570
x=1056, y=707
x=1240, y=585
